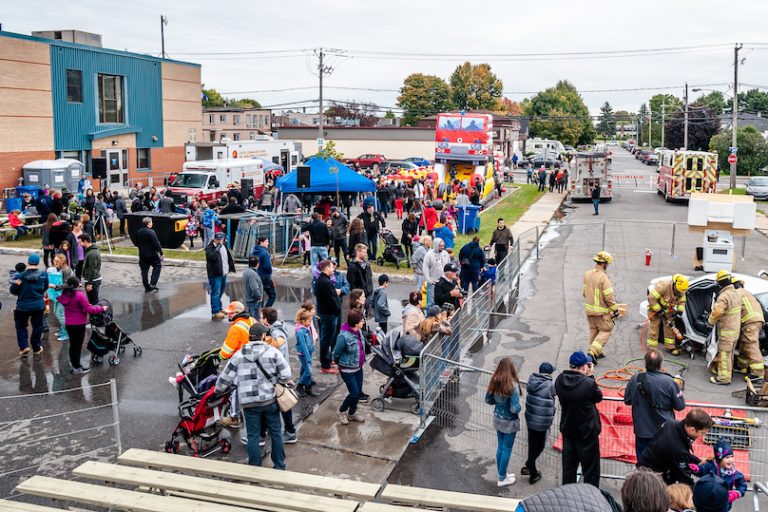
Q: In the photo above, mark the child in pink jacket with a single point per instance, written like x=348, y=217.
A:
x=76, y=311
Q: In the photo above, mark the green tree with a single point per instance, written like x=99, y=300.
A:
x=212, y=98
x=713, y=100
x=560, y=113
x=476, y=87
x=753, y=100
x=423, y=95
x=243, y=103
x=702, y=126
x=667, y=104
x=607, y=124
x=642, y=124
x=389, y=115
x=753, y=150
x=330, y=151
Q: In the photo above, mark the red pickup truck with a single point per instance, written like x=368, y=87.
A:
x=368, y=161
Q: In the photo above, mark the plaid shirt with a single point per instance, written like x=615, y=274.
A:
x=254, y=389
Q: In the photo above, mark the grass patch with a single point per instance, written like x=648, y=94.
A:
x=734, y=191
x=511, y=208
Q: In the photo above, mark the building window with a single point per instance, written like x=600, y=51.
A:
x=211, y=119
x=248, y=120
x=236, y=136
x=212, y=137
x=111, y=99
x=222, y=118
x=252, y=136
x=142, y=158
x=236, y=120
x=74, y=86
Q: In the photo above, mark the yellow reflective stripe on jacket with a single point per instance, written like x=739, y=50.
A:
x=656, y=295
x=751, y=313
x=733, y=311
x=728, y=332
x=656, y=307
x=596, y=307
x=608, y=291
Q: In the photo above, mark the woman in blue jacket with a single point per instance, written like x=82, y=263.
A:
x=349, y=354
x=504, y=394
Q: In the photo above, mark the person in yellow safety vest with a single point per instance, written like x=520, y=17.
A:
x=237, y=338
x=665, y=301
x=726, y=314
x=752, y=321
x=599, y=305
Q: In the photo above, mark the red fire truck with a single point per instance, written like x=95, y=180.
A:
x=683, y=172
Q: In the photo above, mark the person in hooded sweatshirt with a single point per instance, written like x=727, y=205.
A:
x=29, y=287
x=579, y=422
x=277, y=336
x=539, y=414
x=433, y=265
x=419, y=249
x=76, y=311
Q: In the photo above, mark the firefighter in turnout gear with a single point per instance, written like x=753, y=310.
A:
x=599, y=305
x=665, y=301
x=752, y=321
x=726, y=314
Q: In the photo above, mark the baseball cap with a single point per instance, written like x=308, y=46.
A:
x=219, y=236
x=546, y=368
x=433, y=310
x=450, y=267
x=34, y=259
x=578, y=358
x=257, y=331
x=234, y=308
x=333, y=209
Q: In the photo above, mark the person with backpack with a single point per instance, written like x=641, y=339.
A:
x=209, y=223
x=654, y=397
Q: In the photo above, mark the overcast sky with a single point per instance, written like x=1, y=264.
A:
x=428, y=26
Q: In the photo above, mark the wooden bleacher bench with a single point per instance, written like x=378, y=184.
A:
x=254, y=474
x=371, y=506
x=7, y=233
x=215, y=491
x=113, y=498
x=448, y=499
x=18, y=506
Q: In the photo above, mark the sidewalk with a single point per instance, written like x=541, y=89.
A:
x=539, y=214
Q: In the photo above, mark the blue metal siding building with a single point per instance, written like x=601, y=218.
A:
x=77, y=124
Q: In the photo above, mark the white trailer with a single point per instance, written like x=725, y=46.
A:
x=285, y=153
x=588, y=170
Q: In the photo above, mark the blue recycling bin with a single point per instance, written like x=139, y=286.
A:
x=12, y=203
x=32, y=190
x=468, y=220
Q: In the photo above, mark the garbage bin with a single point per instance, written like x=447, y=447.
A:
x=32, y=190
x=170, y=227
x=12, y=203
x=468, y=220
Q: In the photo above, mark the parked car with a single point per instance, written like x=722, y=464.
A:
x=539, y=160
x=418, y=160
x=368, y=161
x=701, y=296
x=392, y=166
x=651, y=159
x=757, y=187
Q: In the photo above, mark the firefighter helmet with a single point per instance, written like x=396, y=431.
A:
x=680, y=283
x=724, y=277
x=604, y=257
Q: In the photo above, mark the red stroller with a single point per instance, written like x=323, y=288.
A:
x=199, y=425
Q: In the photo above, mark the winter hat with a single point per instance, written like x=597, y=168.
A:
x=34, y=259
x=722, y=450
x=578, y=359
x=710, y=494
x=546, y=368
x=433, y=310
x=257, y=332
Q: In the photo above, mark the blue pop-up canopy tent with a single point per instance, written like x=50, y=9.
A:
x=343, y=179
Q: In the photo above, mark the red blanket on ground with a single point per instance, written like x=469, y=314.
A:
x=617, y=439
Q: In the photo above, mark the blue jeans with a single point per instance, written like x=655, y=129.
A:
x=504, y=453
x=218, y=285
x=253, y=418
x=641, y=443
x=306, y=369
x=269, y=292
x=207, y=236
x=317, y=254
x=469, y=277
x=253, y=309
x=596, y=204
x=354, y=382
x=328, y=326
x=419, y=281
x=58, y=310
x=430, y=294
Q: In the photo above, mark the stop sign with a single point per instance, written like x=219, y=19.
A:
x=732, y=159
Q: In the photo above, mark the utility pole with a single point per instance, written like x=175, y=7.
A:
x=663, y=111
x=320, y=73
x=163, y=23
x=685, y=118
x=735, y=113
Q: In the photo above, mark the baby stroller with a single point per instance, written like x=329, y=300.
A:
x=396, y=356
x=393, y=251
x=107, y=337
x=199, y=424
x=197, y=373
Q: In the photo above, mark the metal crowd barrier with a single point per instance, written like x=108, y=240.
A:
x=279, y=228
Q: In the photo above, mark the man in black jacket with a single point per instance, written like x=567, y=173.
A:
x=359, y=274
x=339, y=227
x=328, y=299
x=472, y=261
x=579, y=422
x=120, y=210
x=447, y=290
x=371, y=221
x=218, y=263
x=150, y=255
x=319, y=239
x=670, y=452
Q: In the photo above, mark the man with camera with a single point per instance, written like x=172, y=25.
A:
x=447, y=289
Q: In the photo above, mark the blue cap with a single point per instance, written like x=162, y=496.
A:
x=219, y=236
x=546, y=368
x=34, y=259
x=578, y=358
x=710, y=494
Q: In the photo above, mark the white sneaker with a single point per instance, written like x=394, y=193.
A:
x=507, y=481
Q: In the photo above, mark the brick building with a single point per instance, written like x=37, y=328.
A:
x=63, y=99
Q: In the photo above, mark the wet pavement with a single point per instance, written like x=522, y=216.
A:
x=167, y=325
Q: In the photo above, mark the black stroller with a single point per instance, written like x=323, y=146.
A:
x=393, y=250
x=107, y=337
x=197, y=373
x=397, y=357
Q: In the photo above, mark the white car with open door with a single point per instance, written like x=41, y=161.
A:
x=701, y=296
